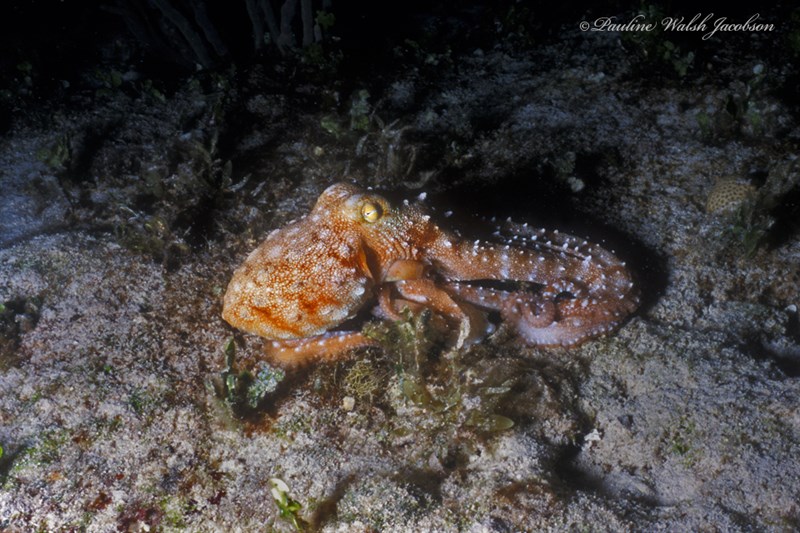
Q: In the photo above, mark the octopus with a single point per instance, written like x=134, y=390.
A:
x=355, y=249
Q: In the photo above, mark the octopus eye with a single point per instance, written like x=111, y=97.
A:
x=371, y=212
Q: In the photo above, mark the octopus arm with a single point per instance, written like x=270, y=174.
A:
x=586, y=290
x=329, y=346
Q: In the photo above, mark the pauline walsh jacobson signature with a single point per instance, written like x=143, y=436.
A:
x=708, y=24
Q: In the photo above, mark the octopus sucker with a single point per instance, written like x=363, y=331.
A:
x=355, y=249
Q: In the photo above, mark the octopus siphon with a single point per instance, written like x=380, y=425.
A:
x=356, y=249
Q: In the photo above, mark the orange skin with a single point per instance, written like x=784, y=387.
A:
x=354, y=248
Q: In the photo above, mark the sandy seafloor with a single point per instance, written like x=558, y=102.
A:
x=685, y=419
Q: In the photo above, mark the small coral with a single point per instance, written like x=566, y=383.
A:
x=728, y=194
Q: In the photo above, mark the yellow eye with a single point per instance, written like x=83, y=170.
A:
x=371, y=212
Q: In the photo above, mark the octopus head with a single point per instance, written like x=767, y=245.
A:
x=351, y=206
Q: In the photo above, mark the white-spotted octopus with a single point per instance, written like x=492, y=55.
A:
x=355, y=248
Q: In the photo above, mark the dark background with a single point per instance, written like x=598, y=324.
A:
x=51, y=42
